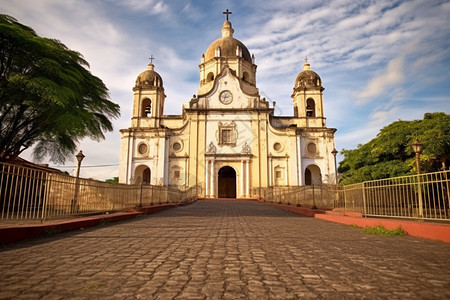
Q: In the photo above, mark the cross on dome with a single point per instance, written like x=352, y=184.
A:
x=227, y=13
x=151, y=59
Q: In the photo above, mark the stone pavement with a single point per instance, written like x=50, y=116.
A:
x=224, y=250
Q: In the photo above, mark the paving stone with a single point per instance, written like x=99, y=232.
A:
x=224, y=250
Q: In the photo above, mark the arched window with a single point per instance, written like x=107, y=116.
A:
x=245, y=77
x=310, y=108
x=210, y=77
x=146, y=109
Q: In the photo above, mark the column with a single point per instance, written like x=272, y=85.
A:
x=242, y=178
x=207, y=179
x=287, y=171
x=211, y=186
x=299, y=161
x=270, y=171
x=247, y=174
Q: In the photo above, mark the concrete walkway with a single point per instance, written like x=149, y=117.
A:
x=224, y=250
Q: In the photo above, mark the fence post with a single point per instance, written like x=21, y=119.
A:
x=140, y=196
x=48, y=181
x=364, y=198
x=314, y=197
x=446, y=204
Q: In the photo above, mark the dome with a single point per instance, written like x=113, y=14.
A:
x=228, y=45
x=149, y=78
x=308, y=78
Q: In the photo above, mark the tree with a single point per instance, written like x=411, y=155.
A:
x=390, y=154
x=113, y=180
x=48, y=99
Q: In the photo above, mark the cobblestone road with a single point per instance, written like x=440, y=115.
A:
x=224, y=250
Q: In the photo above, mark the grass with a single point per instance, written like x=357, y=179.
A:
x=381, y=230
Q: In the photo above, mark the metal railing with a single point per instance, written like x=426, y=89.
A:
x=27, y=193
x=314, y=196
x=424, y=196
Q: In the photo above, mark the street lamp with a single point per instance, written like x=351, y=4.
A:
x=79, y=157
x=417, y=147
x=335, y=152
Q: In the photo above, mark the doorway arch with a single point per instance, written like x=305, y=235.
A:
x=143, y=175
x=313, y=175
x=227, y=182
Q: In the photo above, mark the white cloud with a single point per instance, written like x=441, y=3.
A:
x=381, y=84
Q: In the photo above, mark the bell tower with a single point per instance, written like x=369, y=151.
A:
x=148, y=105
x=308, y=98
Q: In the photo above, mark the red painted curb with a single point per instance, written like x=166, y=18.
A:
x=305, y=211
x=432, y=231
x=18, y=233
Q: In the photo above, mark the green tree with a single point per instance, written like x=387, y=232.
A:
x=390, y=153
x=113, y=180
x=48, y=97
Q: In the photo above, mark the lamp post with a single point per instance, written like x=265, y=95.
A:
x=335, y=152
x=417, y=147
x=79, y=157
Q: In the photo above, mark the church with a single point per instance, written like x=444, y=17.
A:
x=227, y=139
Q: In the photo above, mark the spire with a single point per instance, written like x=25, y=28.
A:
x=151, y=66
x=306, y=65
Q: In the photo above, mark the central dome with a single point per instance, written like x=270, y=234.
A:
x=228, y=45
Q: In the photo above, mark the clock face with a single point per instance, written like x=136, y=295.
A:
x=226, y=97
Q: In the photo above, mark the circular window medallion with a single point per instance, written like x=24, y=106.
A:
x=142, y=148
x=226, y=97
x=312, y=148
x=176, y=146
x=277, y=147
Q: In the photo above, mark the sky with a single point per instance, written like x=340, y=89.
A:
x=379, y=60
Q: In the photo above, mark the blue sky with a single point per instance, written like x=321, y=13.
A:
x=379, y=60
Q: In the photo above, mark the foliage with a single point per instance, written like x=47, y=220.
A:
x=390, y=153
x=47, y=97
x=113, y=180
x=380, y=230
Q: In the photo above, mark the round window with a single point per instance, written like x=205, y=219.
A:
x=277, y=146
x=312, y=148
x=142, y=148
x=176, y=146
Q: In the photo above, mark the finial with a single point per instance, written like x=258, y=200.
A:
x=227, y=13
x=306, y=65
x=151, y=59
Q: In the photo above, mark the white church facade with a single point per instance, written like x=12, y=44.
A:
x=227, y=140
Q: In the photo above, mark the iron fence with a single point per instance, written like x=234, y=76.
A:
x=27, y=193
x=425, y=196
x=314, y=196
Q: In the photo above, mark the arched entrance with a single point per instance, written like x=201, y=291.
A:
x=142, y=175
x=227, y=182
x=146, y=176
x=312, y=175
